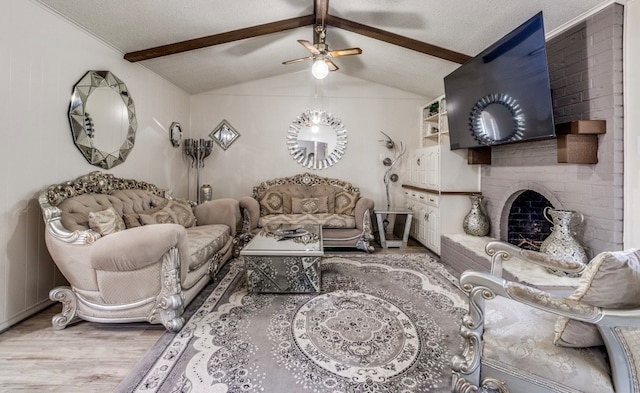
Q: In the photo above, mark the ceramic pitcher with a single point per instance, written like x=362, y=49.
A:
x=561, y=243
x=476, y=222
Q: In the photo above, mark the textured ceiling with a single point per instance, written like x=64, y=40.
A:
x=463, y=26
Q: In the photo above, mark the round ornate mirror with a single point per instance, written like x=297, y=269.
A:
x=103, y=120
x=317, y=139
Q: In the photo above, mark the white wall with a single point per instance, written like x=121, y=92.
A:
x=42, y=57
x=632, y=126
x=261, y=112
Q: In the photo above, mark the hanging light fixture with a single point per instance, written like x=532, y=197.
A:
x=320, y=68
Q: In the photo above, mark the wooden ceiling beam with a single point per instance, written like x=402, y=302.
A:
x=222, y=38
x=320, y=17
x=396, y=39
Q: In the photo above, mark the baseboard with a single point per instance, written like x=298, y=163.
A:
x=5, y=325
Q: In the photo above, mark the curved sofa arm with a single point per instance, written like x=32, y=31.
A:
x=500, y=251
x=219, y=211
x=482, y=286
x=364, y=207
x=250, y=213
x=135, y=248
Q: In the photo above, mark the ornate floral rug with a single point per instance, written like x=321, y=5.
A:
x=382, y=323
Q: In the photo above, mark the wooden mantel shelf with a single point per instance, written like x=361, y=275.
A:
x=578, y=141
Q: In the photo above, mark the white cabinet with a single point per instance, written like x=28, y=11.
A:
x=438, y=180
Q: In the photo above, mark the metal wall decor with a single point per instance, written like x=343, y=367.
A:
x=224, y=134
x=497, y=118
x=102, y=118
x=398, y=152
x=175, y=134
x=197, y=150
x=317, y=139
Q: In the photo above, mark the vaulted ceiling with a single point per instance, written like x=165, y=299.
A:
x=395, y=35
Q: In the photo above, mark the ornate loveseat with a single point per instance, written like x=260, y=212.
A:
x=311, y=199
x=522, y=339
x=99, y=232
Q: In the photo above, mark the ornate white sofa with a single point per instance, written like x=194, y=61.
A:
x=310, y=199
x=522, y=339
x=135, y=271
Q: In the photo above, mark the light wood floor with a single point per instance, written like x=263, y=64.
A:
x=84, y=357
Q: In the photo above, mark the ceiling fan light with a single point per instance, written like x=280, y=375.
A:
x=319, y=69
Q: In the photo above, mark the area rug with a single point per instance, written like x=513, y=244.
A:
x=382, y=323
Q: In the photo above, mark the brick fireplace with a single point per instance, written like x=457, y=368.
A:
x=585, y=64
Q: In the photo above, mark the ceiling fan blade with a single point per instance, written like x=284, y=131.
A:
x=332, y=65
x=298, y=60
x=309, y=47
x=345, y=52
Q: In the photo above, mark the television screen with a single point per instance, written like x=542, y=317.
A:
x=502, y=95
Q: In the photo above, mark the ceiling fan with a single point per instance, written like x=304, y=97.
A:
x=321, y=55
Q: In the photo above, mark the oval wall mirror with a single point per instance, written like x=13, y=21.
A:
x=316, y=139
x=103, y=120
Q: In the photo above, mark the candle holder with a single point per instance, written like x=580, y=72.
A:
x=197, y=150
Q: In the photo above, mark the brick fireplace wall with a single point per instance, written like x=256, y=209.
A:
x=585, y=65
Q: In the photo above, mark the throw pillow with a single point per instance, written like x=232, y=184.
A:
x=271, y=203
x=132, y=220
x=183, y=212
x=163, y=216
x=309, y=205
x=611, y=280
x=106, y=222
x=345, y=202
x=323, y=190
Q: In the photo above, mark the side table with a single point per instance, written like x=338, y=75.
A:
x=402, y=225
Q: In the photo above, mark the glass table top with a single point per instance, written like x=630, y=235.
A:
x=286, y=240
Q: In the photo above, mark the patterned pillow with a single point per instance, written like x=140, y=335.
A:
x=163, y=216
x=309, y=205
x=132, y=220
x=183, y=212
x=611, y=280
x=328, y=191
x=346, y=202
x=271, y=203
x=106, y=222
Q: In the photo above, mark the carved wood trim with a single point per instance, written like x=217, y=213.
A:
x=304, y=179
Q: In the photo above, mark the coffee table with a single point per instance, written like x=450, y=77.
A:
x=277, y=264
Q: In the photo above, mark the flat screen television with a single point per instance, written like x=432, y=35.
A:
x=502, y=95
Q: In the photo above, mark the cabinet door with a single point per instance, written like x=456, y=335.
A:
x=433, y=163
x=433, y=229
x=414, y=163
x=410, y=205
x=417, y=212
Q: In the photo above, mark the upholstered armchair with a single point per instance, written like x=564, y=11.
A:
x=518, y=338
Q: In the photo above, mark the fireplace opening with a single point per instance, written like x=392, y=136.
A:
x=527, y=227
